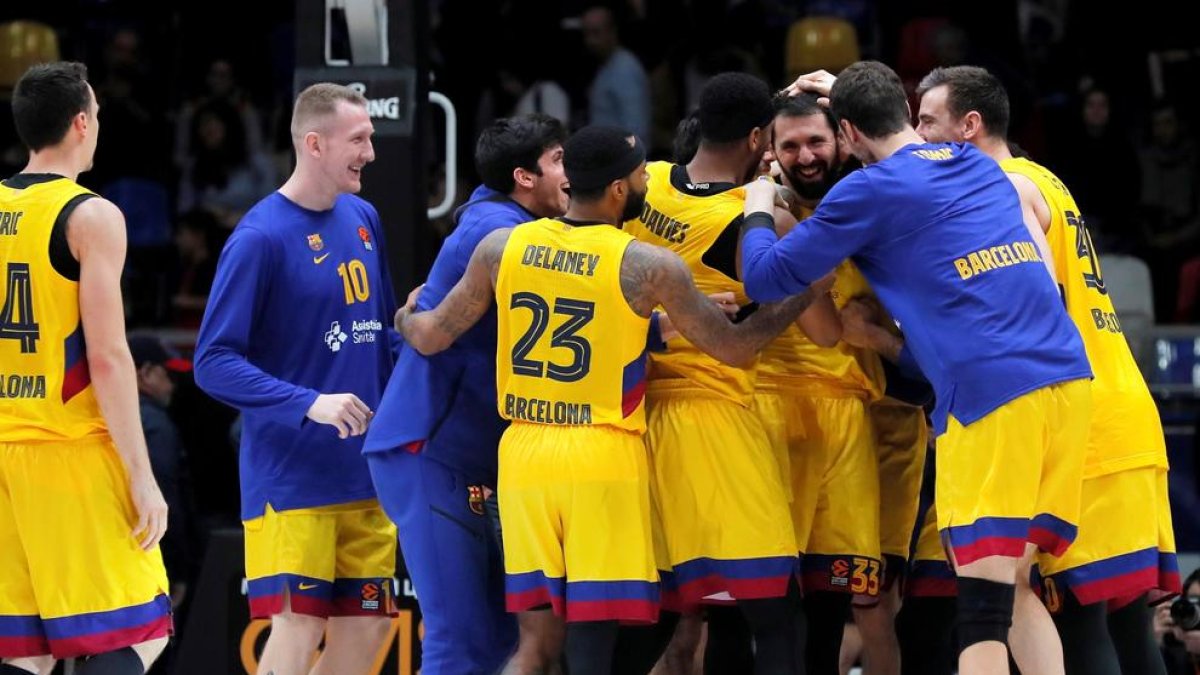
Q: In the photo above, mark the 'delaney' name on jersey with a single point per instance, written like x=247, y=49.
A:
x=560, y=260
x=546, y=412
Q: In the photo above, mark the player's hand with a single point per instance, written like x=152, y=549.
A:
x=761, y=195
x=411, y=302
x=819, y=82
x=857, y=320
x=151, y=510
x=726, y=301
x=824, y=284
x=349, y=415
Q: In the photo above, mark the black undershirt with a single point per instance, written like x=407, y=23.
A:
x=722, y=255
x=61, y=258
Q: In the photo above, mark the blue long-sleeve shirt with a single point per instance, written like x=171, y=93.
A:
x=301, y=305
x=448, y=400
x=937, y=229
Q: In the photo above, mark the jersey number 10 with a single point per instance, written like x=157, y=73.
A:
x=16, y=318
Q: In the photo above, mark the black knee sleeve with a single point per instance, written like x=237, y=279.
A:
x=985, y=611
x=120, y=662
x=6, y=669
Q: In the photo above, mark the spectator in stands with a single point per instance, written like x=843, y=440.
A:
x=1170, y=202
x=1087, y=160
x=620, y=93
x=198, y=240
x=220, y=84
x=222, y=175
x=155, y=362
x=1180, y=648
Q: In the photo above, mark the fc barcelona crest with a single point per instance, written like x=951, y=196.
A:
x=315, y=243
x=475, y=499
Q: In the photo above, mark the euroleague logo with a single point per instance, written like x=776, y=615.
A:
x=839, y=573
x=370, y=595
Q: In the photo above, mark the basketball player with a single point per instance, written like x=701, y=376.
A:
x=952, y=260
x=1126, y=545
x=300, y=309
x=816, y=395
x=574, y=483
x=81, y=516
x=716, y=478
x=432, y=446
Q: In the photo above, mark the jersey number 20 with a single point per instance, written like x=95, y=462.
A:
x=578, y=312
x=16, y=318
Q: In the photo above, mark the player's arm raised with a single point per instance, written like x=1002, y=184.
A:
x=433, y=331
x=96, y=236
x=651, y=276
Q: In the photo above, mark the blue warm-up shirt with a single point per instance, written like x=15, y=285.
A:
x=448, y=400
x=302, y=304
x=937, y=229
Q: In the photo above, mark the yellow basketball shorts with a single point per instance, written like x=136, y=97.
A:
x=336, y=560
x=724, y=511
x=73, y=580
x=576, y=516
x=929, y=572
x=783, y=427
x=1126, y=545
x=901, y=435
x=1015, y=476
x=835, y=486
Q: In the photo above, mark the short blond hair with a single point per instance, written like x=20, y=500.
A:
x=318, y=101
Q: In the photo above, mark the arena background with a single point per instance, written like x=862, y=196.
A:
x=191, y=90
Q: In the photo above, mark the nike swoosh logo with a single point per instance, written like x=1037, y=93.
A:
x=308, y=587
x=320, y=259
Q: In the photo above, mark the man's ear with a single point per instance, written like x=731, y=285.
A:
x=523, y=178
x=313, y=144
x=972, y=125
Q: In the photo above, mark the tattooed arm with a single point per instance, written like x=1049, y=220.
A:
x=651, y=276
x=433, y=331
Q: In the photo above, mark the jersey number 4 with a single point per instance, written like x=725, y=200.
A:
x=16, y=317
x=578, y=312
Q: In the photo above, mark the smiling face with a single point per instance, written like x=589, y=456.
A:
x=807, y=150
x=345, y=146
x=935, y=122
x=550, y=197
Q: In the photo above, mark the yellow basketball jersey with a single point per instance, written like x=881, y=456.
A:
x=45, y=387
x=690, y=225
x=1125, y=430
x=793, y=363
x=569, y=350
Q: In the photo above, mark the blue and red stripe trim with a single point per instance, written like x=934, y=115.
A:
x=1052, y=534
x=633, y=385
x=987, y=537
x=744, y=579
x=22, y=635
x=99, y=632
x=373, y=596
x=308, y=595
x=628, y=601
x=76, y=376
x=1121, y=576
x=931, y=579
